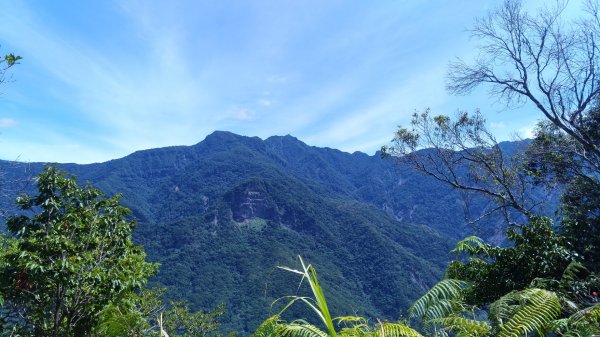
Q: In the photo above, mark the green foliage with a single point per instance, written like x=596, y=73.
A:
x=443, y=299
x=463, y=153
x=292, y=219
x=10, y=60
x=70, y=258
x=299, y=328
x=180, y=321
x=121, y=319
x=317, y=303
x=556, y=57
x=538, y=252
x=585, y=322
x=461, y=326
x=144, y=314
x=353, y=325
x=581, y=223
x=518, y=313
x=6, y=63
x=557, y=157
x=268, y=327
x=321, y=203
x=523, y=312
x=134, y=315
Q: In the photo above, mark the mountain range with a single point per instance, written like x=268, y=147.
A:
x=220, y=215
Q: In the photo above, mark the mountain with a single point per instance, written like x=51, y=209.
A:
x=221, y=215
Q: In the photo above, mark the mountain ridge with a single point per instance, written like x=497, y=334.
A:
x=220, y=214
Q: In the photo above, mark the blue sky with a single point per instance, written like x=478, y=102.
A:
x=101, y=79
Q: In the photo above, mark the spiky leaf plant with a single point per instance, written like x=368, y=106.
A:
x=353, y=326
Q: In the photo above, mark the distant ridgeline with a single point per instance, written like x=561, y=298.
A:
x=220, y=215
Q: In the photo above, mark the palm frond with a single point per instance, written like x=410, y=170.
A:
x=317, y=304
x=353, y=326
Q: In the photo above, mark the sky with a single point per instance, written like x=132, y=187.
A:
x=100, y=79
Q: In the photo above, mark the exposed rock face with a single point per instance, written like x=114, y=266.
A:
x=251, y=200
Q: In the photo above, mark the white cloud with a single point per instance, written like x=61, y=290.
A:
x=372, y=124
x=6, y=123
x=277, y=79
x=242, y=114
x=526, y=132
x=497, y=125
x=264, y=102
x=170, y=75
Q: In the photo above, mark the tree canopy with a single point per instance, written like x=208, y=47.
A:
x=69, y=254
x=547, y=280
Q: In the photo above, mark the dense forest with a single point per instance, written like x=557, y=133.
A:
x=74, y=262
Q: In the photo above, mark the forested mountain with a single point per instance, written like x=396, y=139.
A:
x=220, y=215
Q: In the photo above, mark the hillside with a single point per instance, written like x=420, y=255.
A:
x=220, y=215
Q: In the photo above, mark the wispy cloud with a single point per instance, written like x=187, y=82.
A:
x=242, y=114
x=156, y=73
x=526, y=132
x=6, y=123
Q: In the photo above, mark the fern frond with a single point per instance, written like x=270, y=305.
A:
x=298, y=329
x=441, y=333
x=590, y=314
x=582, y=331
x=448, y=289
x=353, y=332
x=395, y=330
x=470, y=245
x=537, y=309
x=503, y=308
x=267, y=328
x=566, y=327
x=463, y=326
x=559, y=326
x=571, y=272
x=442, y=308
x=350, y=319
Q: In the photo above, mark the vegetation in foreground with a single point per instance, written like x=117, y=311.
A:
x=445, y=311
x=69, y=268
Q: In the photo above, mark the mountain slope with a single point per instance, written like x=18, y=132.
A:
x=220, y=215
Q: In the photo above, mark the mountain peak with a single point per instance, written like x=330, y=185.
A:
x=223, y=139
x=287, y=139
x=222, y=135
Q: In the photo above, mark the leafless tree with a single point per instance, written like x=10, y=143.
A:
x=543, y=59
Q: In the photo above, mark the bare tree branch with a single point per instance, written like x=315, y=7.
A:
x=541, y=59
x=464, y=154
